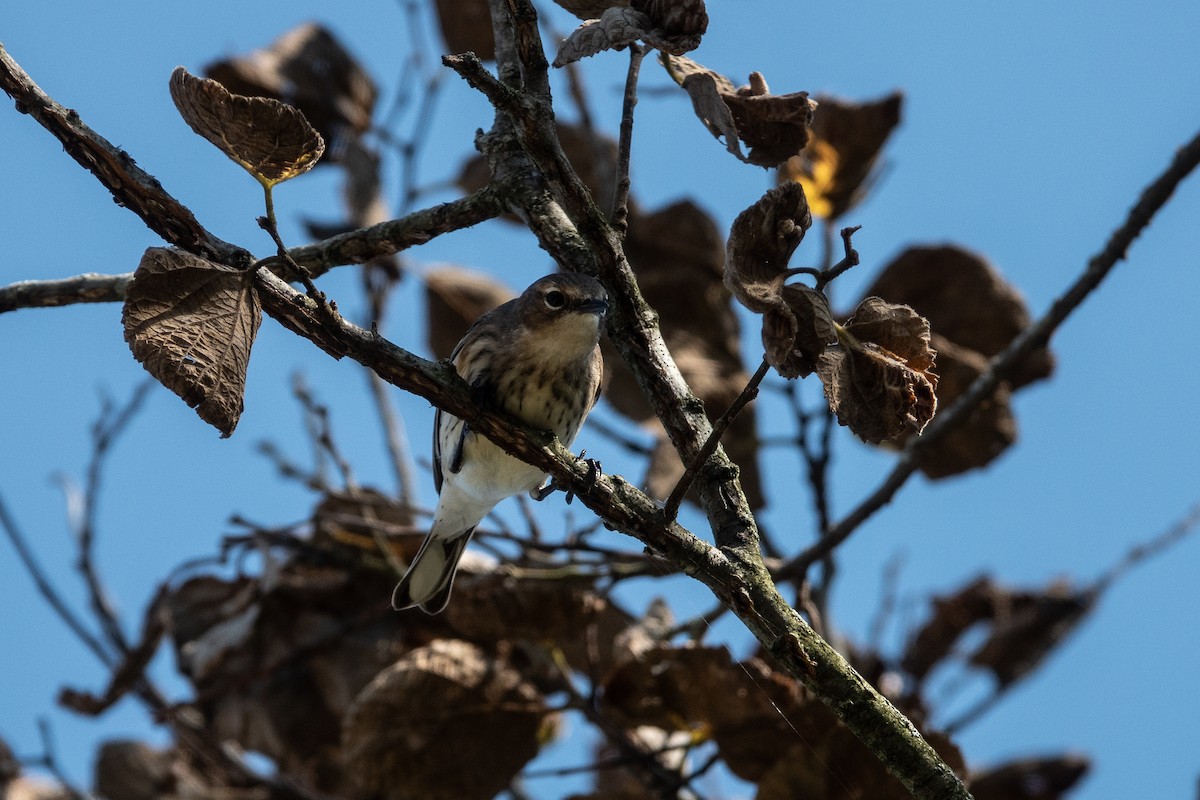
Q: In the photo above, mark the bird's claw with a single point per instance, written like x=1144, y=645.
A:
x=595, y=470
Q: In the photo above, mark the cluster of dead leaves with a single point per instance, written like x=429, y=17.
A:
x=876, y=367
x=1022, y=627
x=190, y=321
x=308, y=665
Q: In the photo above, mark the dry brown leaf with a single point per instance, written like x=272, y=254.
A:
x=1028, y=626
x=456, y=297
x=774, y=127
x=761, y=240
x=674, y=688
x=1047, y=778
x=446, y=721
x=275, y=662
x=192, y=323
x=797, y=324
x=359, y=520
x=269, y=139
x=965, y=300
x=837, y=167
x=952, y=615
x=974, y=313
x=1024, y=626
x=676, y=18
x=671, y=30
x=466, y=26
x=308, y=68
x=877, y=381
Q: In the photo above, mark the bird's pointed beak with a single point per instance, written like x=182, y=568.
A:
x=593, y=307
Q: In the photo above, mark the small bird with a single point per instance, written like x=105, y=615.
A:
x=537, y=357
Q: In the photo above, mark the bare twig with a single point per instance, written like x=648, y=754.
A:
x=1152, y=199
x=671, y=509
x=396, y=438
x=620, y=207
x=849, y=259
x=1139, y=553
x=83, y=508
x=47, y=590
x=49, y=761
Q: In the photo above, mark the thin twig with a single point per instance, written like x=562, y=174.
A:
x=49, y=762
x=47, y=590
x=620, y=207
x=105, y=432
x=671, y=509
x=1145, y=550
x=1152, y=198
x=400, y=454
x=849, y=259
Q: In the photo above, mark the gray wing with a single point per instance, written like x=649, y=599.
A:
x=456, y=462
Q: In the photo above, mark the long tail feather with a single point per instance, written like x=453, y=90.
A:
x=430, y=576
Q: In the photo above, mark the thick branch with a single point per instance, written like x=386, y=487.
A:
x=1002, y=367
x=386, y=238
x=88, y=288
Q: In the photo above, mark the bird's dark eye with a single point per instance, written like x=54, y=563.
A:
x=555, y=299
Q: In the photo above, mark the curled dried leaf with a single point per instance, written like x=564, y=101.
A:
x=761, y=241
x=1028, y=626
x=838, y=165
x=974, y=313
x=952, y=615
x=446, y=721
x=309, y=68
x=797, y=323
x=676, y=18
x=191, y=323
x=774, y=127
x=269, y=139
x=620, y=26
x=877, y=381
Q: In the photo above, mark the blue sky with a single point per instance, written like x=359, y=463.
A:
x=1028, y=130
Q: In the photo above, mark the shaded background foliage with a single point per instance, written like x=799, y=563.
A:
x=1076, y=506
